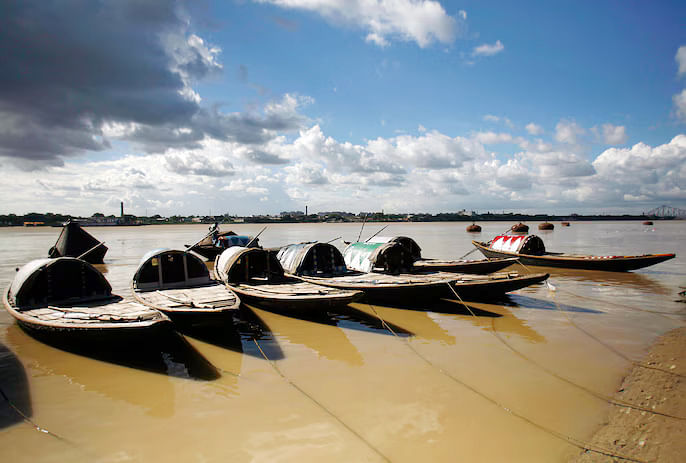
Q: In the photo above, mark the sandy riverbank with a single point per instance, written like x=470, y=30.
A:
x=641, y=435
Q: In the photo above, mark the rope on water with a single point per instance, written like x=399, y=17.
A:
x=571, y=440
x=319, y=404
x=30, y=422
x=552, y=289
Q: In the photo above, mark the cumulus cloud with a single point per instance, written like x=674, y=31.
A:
x=680, y=104
x=568, y=132
x=681, y=59
x=488, y=49
x=534, y=129
x=78, y=75
x=420, y=21
x=613, y=134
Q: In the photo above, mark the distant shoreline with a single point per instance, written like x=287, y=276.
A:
x=39, y=220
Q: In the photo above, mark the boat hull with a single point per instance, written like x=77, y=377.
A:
x=602, y=263
x=479, y=267
x=308, y=301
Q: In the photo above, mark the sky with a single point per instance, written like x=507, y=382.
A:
x=248, y=107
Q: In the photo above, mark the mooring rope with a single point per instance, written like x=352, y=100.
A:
x=552, y=289
x=30, y=422
x=319, y=404
x=571, y=440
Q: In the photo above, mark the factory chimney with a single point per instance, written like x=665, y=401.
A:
x=122, y=209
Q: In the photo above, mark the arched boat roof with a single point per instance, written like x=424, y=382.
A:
x=406, y=241
x=238, y=264
x=522, y=244
x=170, y=268
x=45, y=282
x=391, y=257
x=311, y=259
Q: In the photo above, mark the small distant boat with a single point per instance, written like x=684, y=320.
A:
x=210, y=249
x=74, y=241
x=565, y=224
x=546, y=226
x=648, y=222
x=520, y=228
x=68, y=299
x=420, y=264
x=531, y=251
x=381, y=271
x=473, y=228
x=178, y=284
x=257, y=277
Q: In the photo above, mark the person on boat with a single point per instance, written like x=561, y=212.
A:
x=214, y=229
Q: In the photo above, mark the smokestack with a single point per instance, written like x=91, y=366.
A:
x=122, y=209
x=305, y=210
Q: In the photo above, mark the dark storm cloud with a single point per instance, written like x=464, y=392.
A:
x=70, y=66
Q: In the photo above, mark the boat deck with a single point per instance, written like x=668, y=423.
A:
x=209, y=298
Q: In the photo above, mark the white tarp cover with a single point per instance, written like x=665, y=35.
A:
x=359, y=256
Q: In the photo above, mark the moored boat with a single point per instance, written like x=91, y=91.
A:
x=69, y=299
x=530, y=250
x=421, y=264
x=473, y=228
x=382, y=272
x=215, y=242
x=74, y=241
x=178, y=284
x=546, y=226
x=257, y=277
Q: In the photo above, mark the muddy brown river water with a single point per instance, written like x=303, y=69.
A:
x=525, y=379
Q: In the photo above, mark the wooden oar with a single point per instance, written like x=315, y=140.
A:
x=255, y=237
x=196, y=243
x=101, y=243
x=382, y=229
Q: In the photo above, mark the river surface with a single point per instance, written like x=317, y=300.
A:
x=526, y=379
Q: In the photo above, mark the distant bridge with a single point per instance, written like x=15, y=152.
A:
x=667, y=211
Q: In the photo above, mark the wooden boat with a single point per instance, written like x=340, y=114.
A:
x=473, y=228
x=68, y=299
x=378, y=269
x=421, y=264
x=531, y=251
x=648, y=222
x=257, y=277
x=178, y=284
x=74, y=241
x=565, y=224
x=520, y=228
x=210, y=249
x=546, y=226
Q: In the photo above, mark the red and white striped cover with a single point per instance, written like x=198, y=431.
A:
x=508, y=243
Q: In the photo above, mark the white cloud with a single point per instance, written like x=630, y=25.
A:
x=614, y=134
x=680, y=104
x=488, y=49
x=568, y=132
x=421, y=21
x=534, y=129
x=681, y=59
x=491, y=138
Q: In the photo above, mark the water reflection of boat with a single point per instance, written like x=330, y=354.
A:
x=417, y=321
x=639, y=281
x=14, y=389
x=133, y=373
x=318, y=333
x=531, y=251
